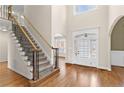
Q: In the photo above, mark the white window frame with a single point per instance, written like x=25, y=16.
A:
x=79, y=13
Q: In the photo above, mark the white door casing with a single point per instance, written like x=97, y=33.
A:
x=85, y=47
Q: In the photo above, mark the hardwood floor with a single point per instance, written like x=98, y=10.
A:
x=9, y=78
x=69, y=76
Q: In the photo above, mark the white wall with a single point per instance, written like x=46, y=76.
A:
x=95, y=18
x=58, y=23
x=16, y=61
x=115, y=13
x=49, y=20
x=58, y=20
x=117, y=58
x=3, y=46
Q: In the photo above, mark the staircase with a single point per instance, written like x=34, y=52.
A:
x=44, y=65
x=36, y=60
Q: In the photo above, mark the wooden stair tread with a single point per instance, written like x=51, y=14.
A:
x=33, y=83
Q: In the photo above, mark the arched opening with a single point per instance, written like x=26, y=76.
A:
x=60, y=42
x=117, y=43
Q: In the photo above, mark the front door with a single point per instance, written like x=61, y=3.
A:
x=86, y=47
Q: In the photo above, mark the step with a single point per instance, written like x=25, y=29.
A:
x=17, y=41
x=40, y=63
x=28, y=63
x=18, y=45
x=42, y=68
x=45, y=72
x=12, y=34
x=44, y=58
x=14, y=38
x=25, y=58
x=25, y=47
x=43, y=62
x=22, y=53
x=41, y=79
x=26, y=44
x=20, y=49
x=41, y=53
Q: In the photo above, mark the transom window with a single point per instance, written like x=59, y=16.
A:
x=79, y=9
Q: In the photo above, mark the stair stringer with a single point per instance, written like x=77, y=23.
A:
x=16, y=61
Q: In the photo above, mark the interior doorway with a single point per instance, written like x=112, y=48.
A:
x=60, y=42
x=85, y=47
x=117, y=43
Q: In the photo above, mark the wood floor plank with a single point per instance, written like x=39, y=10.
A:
x=69, y=76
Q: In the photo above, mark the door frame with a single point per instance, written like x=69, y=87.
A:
x=80, y=30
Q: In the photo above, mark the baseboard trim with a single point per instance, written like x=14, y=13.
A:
x=117, y=66
x=104, y=68
x=4, y=61
x=33, y=83
x=69, y=63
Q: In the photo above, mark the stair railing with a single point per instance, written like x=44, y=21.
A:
x=7, y=14
x=35, y=50
x=55, y=50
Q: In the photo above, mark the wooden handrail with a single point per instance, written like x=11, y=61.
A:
x=9, y=11
x=30, y=41
x=37, y=31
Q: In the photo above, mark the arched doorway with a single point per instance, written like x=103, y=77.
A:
x=117, y=42
x=60, y=42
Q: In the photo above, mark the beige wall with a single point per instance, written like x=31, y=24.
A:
x=3, y=46
x=40, y=16
x=95, y=18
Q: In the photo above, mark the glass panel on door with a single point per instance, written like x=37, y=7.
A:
x=85, y=48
